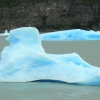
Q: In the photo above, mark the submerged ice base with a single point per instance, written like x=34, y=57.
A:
x=25, y=60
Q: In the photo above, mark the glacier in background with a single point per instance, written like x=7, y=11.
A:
x=25, y=60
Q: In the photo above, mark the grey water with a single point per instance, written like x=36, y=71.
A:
x=48, y=91
x=88, y=50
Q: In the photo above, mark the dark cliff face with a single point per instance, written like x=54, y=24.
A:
x=50, y=15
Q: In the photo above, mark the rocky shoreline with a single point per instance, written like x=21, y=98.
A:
x=51, y=15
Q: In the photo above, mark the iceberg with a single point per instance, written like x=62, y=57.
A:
x=74, y=34
x=6, y=33
x=25, y=60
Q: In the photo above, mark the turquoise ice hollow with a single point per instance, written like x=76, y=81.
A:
x=25, y=60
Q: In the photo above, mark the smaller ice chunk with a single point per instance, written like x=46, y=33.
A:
x=74, y=34
x=6, y=33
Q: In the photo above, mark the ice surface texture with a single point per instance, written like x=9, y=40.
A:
x=25, y=60
x=74, y=34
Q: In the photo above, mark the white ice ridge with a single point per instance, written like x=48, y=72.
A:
x=25, y=60
x=74, y=34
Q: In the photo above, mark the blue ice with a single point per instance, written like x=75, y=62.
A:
x=74, y=34
x=25, y=60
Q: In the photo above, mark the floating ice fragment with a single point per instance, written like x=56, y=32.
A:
x=74, y=34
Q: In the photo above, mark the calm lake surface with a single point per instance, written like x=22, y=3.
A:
x=88, y=50
x=48, y=91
